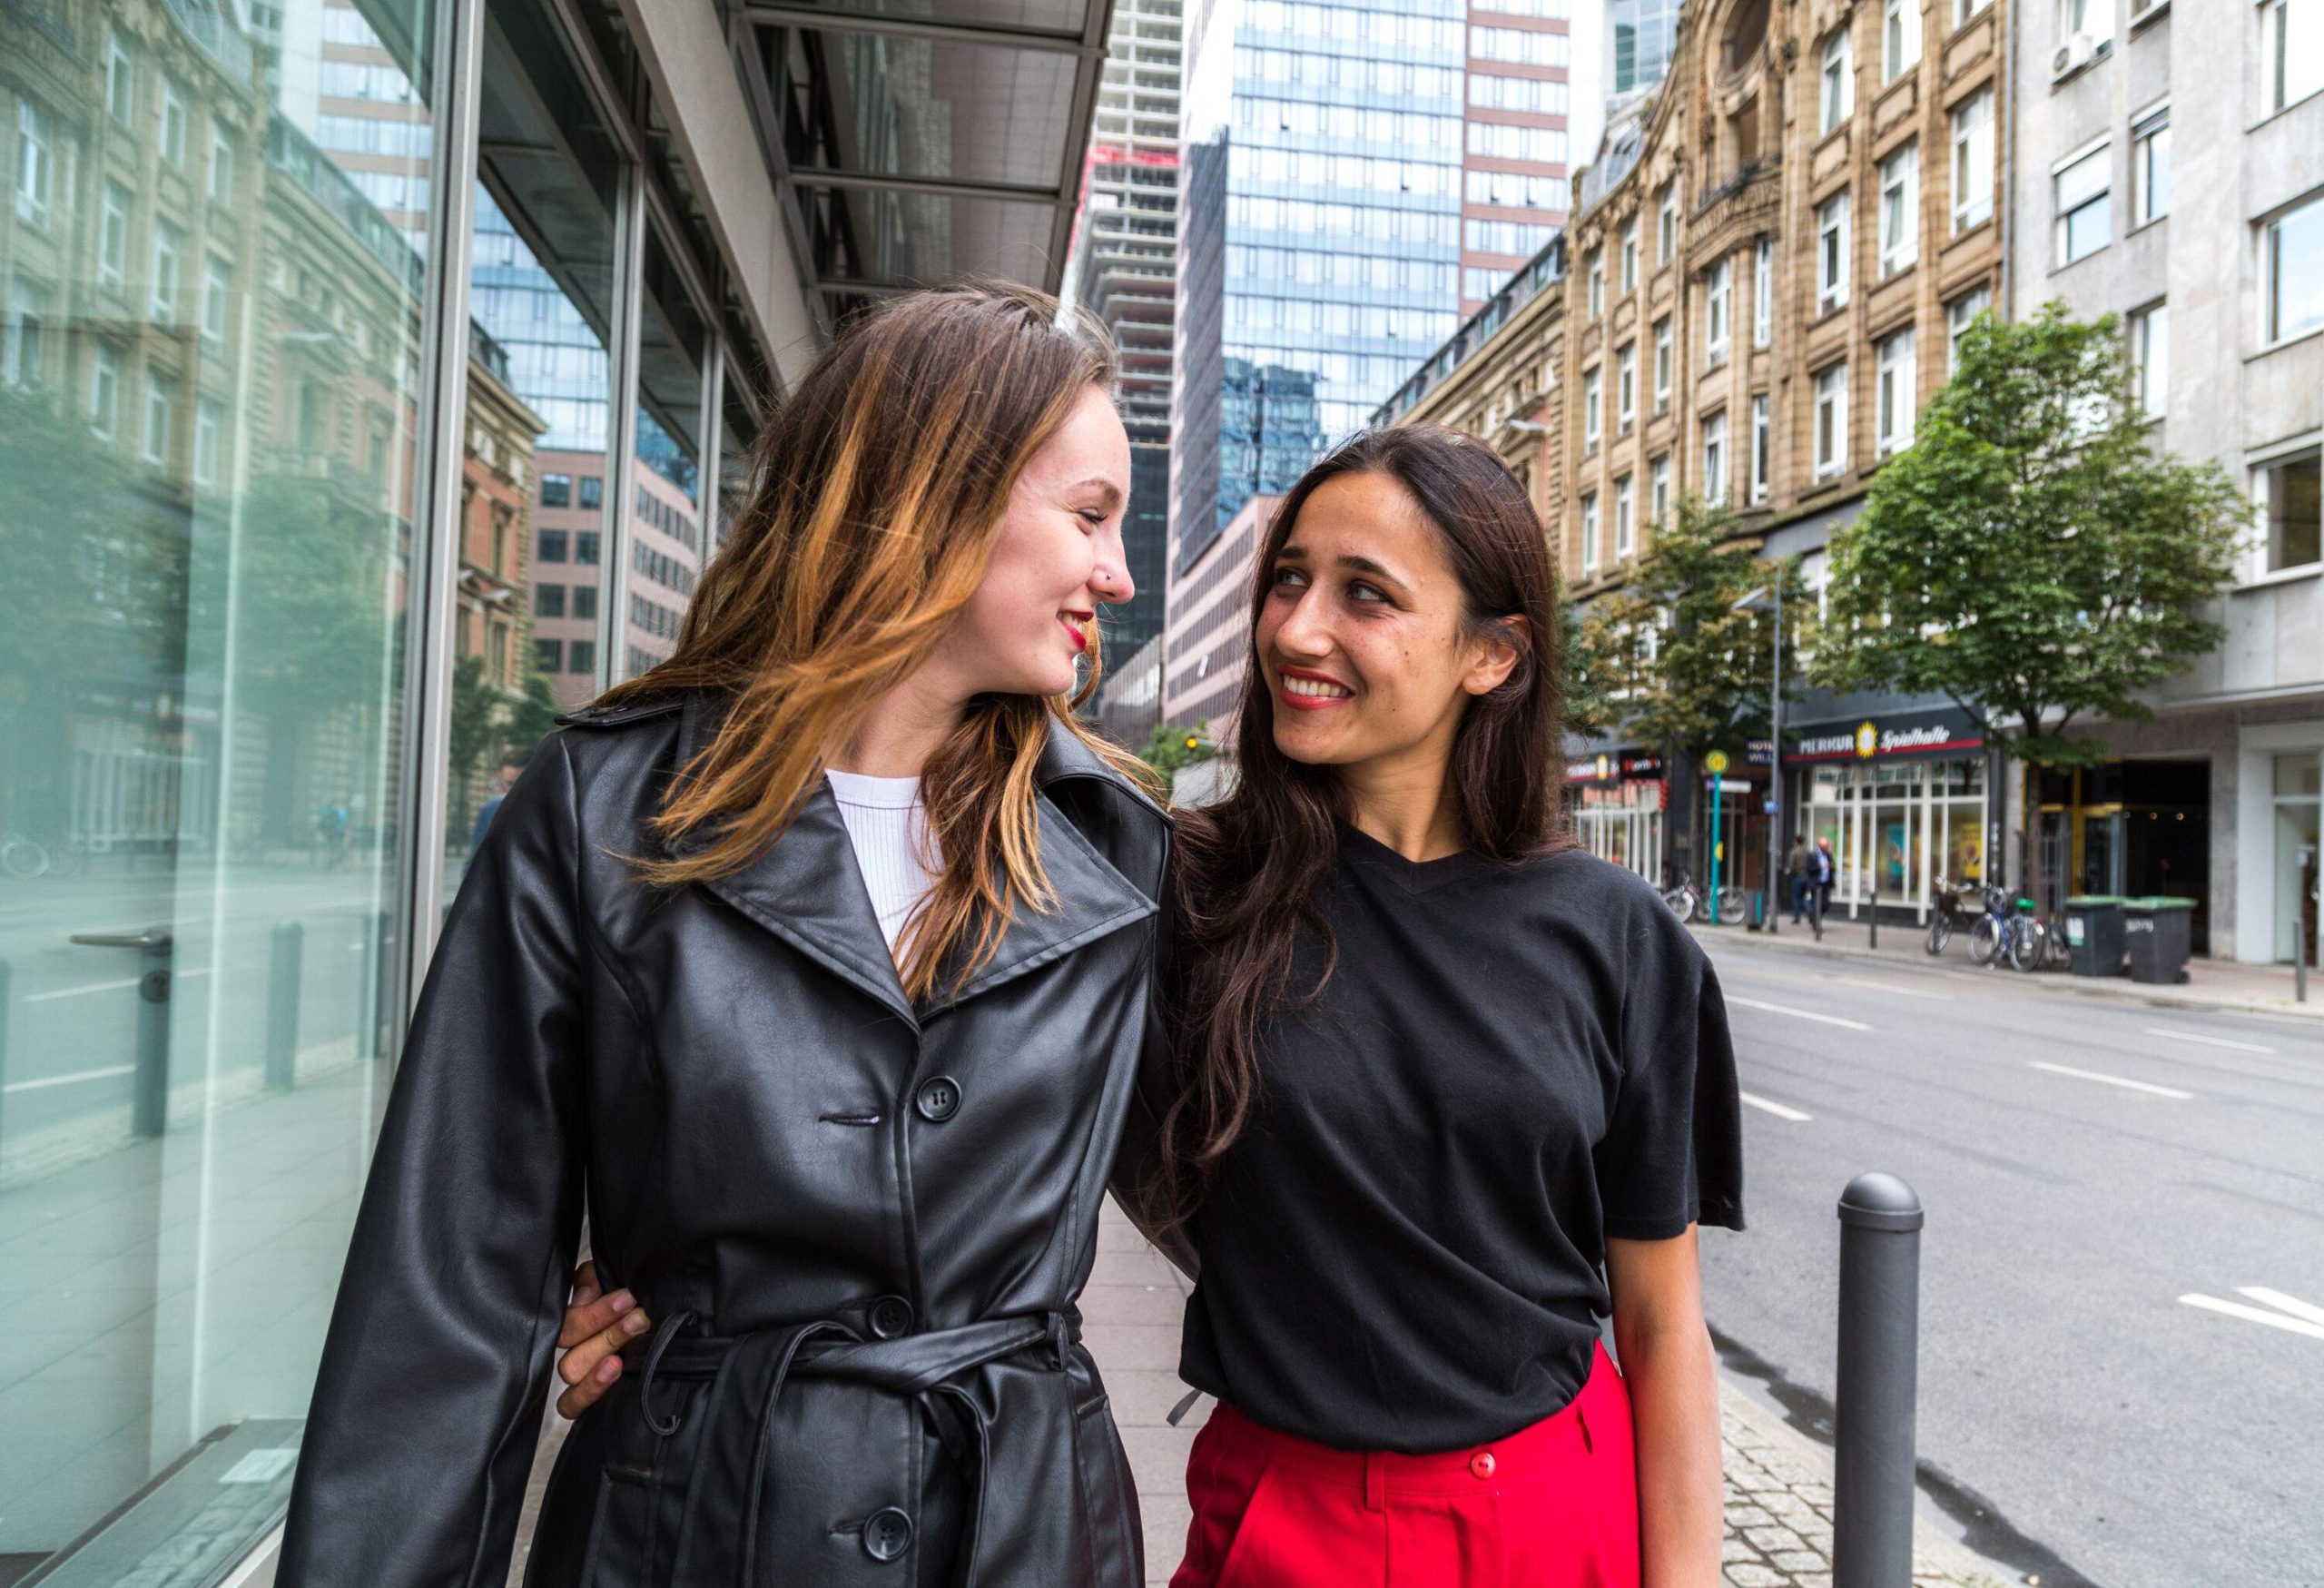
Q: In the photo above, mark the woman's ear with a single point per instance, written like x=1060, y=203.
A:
x=1497, y=649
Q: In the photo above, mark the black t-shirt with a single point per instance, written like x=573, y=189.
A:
x=1510, y=1063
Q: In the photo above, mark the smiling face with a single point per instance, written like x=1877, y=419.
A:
x=1057, y=556
x=1363, y=640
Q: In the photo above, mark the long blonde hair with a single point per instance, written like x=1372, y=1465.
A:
x=881, y=485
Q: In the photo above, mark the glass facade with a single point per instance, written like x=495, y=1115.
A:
x=1319, y=237
x=273, y=656
x=1645, y=32
x=1896, y=826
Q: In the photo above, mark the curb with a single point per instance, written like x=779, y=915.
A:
x=2052, y=985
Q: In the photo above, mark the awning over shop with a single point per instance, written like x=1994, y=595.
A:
x=1932, y=730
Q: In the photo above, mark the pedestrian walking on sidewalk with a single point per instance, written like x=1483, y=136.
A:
x=815, y=964
x=1825, y=870
x=1797, y=868
x=1443, y=1091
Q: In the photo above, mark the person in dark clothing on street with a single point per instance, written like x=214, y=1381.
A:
x=1795, y=871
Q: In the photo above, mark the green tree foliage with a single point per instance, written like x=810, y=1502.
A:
x=1165, y=748
x=2031, y=556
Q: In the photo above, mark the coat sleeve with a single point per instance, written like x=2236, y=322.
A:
x=429, y=1397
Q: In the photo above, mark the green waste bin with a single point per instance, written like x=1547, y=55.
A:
x=2095, y=933
x=2155, y=930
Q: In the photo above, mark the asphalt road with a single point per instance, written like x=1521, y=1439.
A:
x=2087, y=1167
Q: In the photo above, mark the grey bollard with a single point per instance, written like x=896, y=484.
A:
x=377, y=991
x=2298, y=959
x=150, y=1104
x=286, y=951
x=1872, y=1490
x=3, y=1050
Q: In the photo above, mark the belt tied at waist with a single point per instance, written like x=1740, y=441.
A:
x=749, y=1371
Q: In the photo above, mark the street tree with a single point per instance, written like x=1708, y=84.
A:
x=2033, y=557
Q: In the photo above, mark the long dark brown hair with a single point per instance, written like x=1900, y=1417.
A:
x=881, y=485
x=1250, y=865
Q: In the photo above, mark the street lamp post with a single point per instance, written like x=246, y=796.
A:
x=1770, y=596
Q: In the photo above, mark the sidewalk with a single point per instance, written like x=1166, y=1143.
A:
x=2221, y=986
x=1778, y=1480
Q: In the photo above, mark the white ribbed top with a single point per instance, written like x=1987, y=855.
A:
x=888, y=826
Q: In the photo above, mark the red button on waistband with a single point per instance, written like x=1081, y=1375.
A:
x=1482, y=1463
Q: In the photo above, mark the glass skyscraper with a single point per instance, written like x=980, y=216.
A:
x=1644, y=32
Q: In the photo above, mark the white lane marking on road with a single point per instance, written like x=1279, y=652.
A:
x=2160, y=1091
x=2259, y=1315
x=1778, y=1110
x=1829, y=1019
x=2207, y=1042
x=76, y=991
x=41, y=1085
x=1889, y=987
x=2282, y=1303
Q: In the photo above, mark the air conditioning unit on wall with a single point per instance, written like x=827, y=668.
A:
x=2073, y=55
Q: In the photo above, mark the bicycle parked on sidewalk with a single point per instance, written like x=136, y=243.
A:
x=2011, y=932
x=1686, y=900
x=1948, y=918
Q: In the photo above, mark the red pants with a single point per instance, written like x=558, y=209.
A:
x=1554, y=1505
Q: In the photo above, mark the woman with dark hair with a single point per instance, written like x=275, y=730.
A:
x=1444, y=1090
x=815, y=963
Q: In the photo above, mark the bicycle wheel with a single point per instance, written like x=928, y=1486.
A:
x=1940, y=932
x=1734, y=905
x=22, y=859
x=2028, y=946
x=1682, y=902
x=1985, y=940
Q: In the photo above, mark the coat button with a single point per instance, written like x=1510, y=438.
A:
x=890, y=1315
x=1482, y=1463
x=886, y=1533
x=939, y=1100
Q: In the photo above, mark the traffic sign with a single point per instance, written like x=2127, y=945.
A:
x=1715, y=762
x=1733, y=785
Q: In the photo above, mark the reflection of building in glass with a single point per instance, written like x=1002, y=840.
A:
x=1643, y=34
x=1125, y=268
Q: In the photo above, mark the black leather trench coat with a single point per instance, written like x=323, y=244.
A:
x=861, y=1225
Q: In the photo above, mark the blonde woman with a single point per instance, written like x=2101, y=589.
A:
x=813, y=965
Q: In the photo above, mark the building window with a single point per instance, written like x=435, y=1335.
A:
x=593, y=490
x=1589, y=535
x=24, y=348
x=1832, y=253
x=1662, y=363
x=2287, y=491
x=2292, y=51
x=1629, y=255
x=104, y=389
x=1760, y=428
x=1959, y=316
x=1900, y=37
x=121, y=82
x=113, y=237
x=549, y=656
x=585, y=601
x=1900, y=210
x=1625, y=526
x=1590, y=420
x=1963, y=10
x=556, y=490
x=1666, y=223
x=2092, y=17
x=161, y=401
x=551, y=547
x=2083, y=188
x=1597, y=283
x=166, y=246
x=1831, y=421
x=1893, y=378
x=1763, y=293
x=1973, y=161
x=1838, y=96
x=1626, y=385
x=581, y=656
x=1715, y=286
x=548, y=601
x=2150, y=167
x=209, y=437
x=1658, y=489
x=35, y=164
x=2292, y=265
x=222, y=166
x=585, y=546
x=216, y=283
x=169, y=136
x=1714, y=459
x=2150, y=337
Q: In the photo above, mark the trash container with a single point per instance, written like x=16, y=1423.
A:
x=2094, y=934
x=2155, y=931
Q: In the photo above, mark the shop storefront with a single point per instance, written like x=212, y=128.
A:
x=1900, y=799
x=1616, y=801
x=2280, y=826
